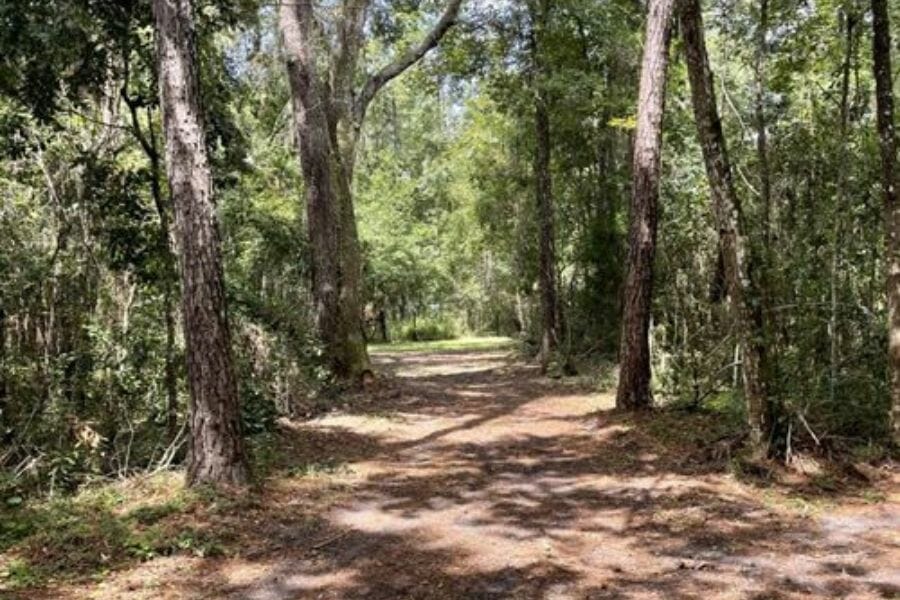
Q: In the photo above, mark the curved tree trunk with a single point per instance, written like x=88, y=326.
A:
x=884, y=93
x=634, y=355
x=217, y=453
x=728, y=218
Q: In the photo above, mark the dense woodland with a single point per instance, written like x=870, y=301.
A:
x=210, y=210
x=223, y=221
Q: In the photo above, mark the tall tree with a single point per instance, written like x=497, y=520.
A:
x=217, y=453
x=544, y=186
x=728, y=216
x=329, y=111
x=884, y=96
x=849, y=25
x=759, y=117
x=634, y=356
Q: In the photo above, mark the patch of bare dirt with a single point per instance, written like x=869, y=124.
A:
x=474, y=477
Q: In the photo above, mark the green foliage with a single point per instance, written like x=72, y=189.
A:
x=85, y=536
x=463, y=344
x=428, y=330
x=821, y=270
x=87, y=280
x=444, y=199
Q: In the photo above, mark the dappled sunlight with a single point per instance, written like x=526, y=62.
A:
x=429, y=365
x=275, y=584
x=509, y=485
x=500, y=483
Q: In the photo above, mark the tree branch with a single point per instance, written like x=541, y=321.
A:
x=405, y=61
x=346, y=54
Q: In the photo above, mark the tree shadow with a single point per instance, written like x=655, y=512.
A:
x=613, y=506
x=517, y=487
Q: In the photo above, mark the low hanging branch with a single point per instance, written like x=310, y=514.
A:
x=405, y=60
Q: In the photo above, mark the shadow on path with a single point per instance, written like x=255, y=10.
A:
x=477, y=478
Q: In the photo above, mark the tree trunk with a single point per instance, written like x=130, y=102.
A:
x=328, y=116
x=763, y=313
x=762, y=135
x=330, y=220
x=217, y=452
x=383, y=325
x=634, y=355
x=353, y=356
x=544, y=192
x=170, y=287
x=728, y=218
x=840, y=209
x=171, y=369
x=881, y=53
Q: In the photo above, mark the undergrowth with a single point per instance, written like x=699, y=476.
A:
x=85, y=536
x=107, y=527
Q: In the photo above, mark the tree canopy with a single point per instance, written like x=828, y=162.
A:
x=211, y=210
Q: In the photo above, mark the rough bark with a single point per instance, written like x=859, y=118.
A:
x=328, y=116
x=544, y=192
x=728, y=216
x=330, y=221
x=217, y=453
x=881, y=54
x=634, y=356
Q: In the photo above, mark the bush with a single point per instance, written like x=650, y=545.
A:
x=428, y=329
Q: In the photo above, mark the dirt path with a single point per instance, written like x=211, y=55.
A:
x=476, y=478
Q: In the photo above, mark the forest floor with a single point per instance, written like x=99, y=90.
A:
x=468, y=475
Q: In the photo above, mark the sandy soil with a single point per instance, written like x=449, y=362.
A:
x=473, y=477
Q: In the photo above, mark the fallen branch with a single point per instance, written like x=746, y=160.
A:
x=330, y=540
x=809, y=429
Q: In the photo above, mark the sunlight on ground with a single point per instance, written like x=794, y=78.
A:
x=455, y=345
x=483, y=479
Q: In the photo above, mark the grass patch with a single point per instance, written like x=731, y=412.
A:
x=464, y=344
x=84, y=537
x=680, y=431
x=153, y=513
x=325, y=468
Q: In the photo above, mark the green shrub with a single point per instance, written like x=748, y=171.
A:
x=428, y=329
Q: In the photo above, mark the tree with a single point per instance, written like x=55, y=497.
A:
x=217, y=453
x=543, y=184
x=328, y=114
x=728, y=217
x=634, y=356
x=881, y=55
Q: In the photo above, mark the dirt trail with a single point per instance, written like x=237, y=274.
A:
x=477, y=478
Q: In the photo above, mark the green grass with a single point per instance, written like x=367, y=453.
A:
x=463, y=344
x=85, y=536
